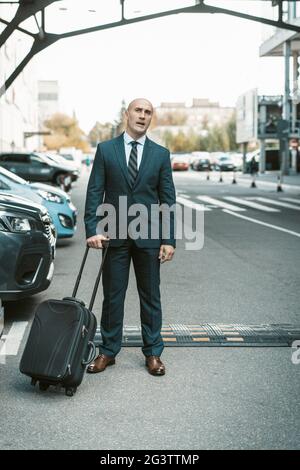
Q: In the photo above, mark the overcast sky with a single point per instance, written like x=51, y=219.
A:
x=170, y=59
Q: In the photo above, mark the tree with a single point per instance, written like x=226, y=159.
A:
x=217, y=138
x=175, y=118
x=231, y=132
x=65, y=133
x=181, y=142
x=100, y=132
x=153, y=124
x=119, y=123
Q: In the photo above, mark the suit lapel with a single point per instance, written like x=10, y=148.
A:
x=145, y=162
x=121, y=157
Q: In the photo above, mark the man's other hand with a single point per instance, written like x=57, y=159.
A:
x=166, y=253
x=96, y=241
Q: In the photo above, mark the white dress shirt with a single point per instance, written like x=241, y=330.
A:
x=128, y=147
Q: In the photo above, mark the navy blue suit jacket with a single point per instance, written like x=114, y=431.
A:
x=109, y=179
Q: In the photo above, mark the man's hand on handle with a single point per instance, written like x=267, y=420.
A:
x=166, y=253
x=96, y=241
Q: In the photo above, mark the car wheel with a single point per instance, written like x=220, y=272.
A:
x=59, y=179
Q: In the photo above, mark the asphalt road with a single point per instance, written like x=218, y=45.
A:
x=210, y=398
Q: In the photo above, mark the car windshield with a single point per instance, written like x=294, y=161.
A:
x=67, y=156
x=12, y=177
x=223, y=159
x=44, y=158
x=54, y=158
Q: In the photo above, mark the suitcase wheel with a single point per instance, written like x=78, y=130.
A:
x=43, y=386
x=70, y=391
x=33, y=382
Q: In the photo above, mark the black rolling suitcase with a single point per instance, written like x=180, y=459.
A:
x=60, y=343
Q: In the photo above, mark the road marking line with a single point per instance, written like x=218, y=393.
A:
x=201, y=339
x=13, y=339
x=252, y=204
x=256, y=221
x=191, y=204
x=277, y=203
x=290, y=199
x=235, y=339
x=222, y=204
x=182, y=193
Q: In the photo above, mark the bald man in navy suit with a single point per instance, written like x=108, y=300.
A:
x=131, y=165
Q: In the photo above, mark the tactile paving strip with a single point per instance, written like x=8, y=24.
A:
x=210, y=334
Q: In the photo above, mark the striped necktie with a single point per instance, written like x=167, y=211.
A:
x=132, y=163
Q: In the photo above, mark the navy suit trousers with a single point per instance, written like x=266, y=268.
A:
x=115, y=281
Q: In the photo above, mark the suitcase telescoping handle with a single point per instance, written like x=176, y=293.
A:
x=105, y=244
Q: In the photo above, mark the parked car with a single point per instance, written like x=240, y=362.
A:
x=225, y=163
x=214, y=158
x=201, y=164
x=196, y=155
x=37, y=167
x=58, y=203
x=62, y=161
x=180, y=162
x=27, y=247
x=72, y=159
x=237, y=159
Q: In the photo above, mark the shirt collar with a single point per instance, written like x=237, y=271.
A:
x=128, y=139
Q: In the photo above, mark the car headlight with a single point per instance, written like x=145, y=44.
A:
x=17, y=224
x=3, y=228
x=52, y=197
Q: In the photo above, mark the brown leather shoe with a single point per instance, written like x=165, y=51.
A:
x=155, y=366
x=100, y=364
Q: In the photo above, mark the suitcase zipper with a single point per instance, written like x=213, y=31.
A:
x=83, y=331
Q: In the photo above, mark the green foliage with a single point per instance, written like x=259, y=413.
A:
x=175, y=118
x=119, y=123
x=216, y=138
x=65, y=133
x=100, y=132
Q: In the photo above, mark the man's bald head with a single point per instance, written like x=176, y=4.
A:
x=139, y=114
x=139, y=102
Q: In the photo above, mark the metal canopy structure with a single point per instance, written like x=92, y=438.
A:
x=43, y=39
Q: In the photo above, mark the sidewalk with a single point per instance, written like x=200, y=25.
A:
x=270, y=179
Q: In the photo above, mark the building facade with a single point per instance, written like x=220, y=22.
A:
x=18, y=106
x=48, y=100
x=286, y=44
x=201, y=114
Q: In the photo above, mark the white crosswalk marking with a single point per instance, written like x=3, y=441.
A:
x=191, y=204
x=213, y=203
x=180, y=191
x=278, y=203
x=260, y=222
x=13, y=339
x=252, y=204
x=217, y=202
x=290, y=199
